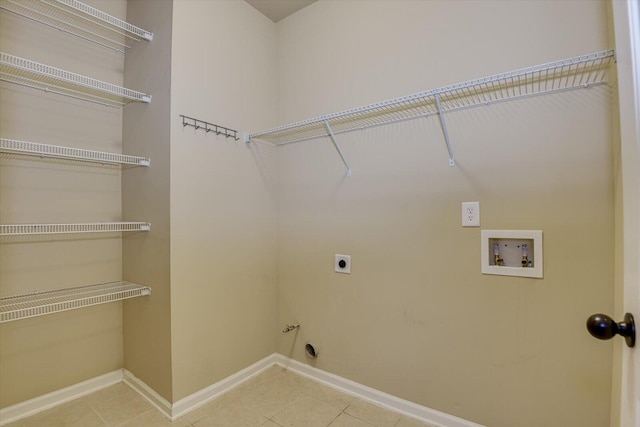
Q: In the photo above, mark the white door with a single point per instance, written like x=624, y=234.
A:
x=627, y=34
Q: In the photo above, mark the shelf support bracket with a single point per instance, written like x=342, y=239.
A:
x=452, y=161
x=337, y=147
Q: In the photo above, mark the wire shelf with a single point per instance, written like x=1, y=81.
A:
x=572, y=73
x=40, y=303
x=80, y=20
x=12, y=146
x=32, y=74
x=100, y=227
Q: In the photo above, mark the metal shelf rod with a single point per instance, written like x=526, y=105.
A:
x=444, y=131
x=337, y=146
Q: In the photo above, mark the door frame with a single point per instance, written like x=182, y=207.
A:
x=626, y=381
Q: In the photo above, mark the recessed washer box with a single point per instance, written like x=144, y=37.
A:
x=512, y=252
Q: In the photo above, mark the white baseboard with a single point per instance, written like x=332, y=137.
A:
x=47, y=401
x=374, y=396
x=344, y=385
x=162, y=404
x=202, y=397
x=206, y=395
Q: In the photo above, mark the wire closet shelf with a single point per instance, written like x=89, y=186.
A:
x=566, y=74
x=34, y=75
x=12, y=146
x=95, y=227
x=40, y=303
x=80, y=20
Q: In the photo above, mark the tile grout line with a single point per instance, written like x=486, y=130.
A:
x=352, y=416
x=133, y=418
x=364, y=421
x=338, y=416
x=95, y=411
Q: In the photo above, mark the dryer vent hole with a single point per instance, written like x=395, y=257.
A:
x=310, y=351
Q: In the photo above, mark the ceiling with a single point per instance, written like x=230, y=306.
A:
x=279, y=9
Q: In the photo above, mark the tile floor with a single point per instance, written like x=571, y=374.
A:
x=274, y=398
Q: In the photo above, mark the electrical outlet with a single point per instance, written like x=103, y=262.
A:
x=471, y=214
x=343, y=264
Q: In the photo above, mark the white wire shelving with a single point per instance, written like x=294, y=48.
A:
x=93, y=227
x=40, y=303
x=34, y=75
x=12, y=146
x=572, y=73
x=80, y=20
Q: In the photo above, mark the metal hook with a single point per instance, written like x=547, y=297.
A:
x=210, y=127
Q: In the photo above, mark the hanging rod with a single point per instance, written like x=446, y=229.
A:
x=37, y=303
x=31, y=74
x=96, y=227
x=80, y=20
x=11, y=146
x=566, y=74
x=209, y=127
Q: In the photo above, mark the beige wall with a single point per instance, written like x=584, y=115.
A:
x=222, y=193
x=416, y=318
x=48, y=353
x=210, y=257
x=145, y=197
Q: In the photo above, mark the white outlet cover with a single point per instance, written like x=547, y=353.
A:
x=471, y=214
x=346, y=263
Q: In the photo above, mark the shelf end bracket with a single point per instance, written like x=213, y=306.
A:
x=337, y=146
x=452, y=161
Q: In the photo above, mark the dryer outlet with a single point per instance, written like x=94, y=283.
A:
x=343, y=264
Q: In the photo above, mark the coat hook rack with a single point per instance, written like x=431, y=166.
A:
x=209, y=127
